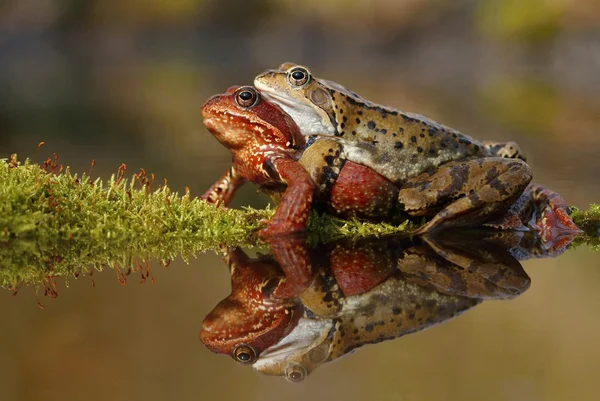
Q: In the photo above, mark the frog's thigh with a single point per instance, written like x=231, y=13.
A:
x=469, y=192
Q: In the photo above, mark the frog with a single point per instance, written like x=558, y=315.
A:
x=461, y=178
x=269, y=150
x=260, y=309
x=364, y=292
x=267, y=146
x=263, y=143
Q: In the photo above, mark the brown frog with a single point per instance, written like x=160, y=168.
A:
x=437, y=169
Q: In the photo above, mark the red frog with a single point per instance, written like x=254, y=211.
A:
x=260, y=310
x=269, y=150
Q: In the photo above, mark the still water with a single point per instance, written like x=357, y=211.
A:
x=502, y=320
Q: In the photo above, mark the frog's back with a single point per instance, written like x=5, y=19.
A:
x=396, y=144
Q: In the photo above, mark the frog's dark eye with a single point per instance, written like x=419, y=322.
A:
x=298, y=76
x=247, y=97
x=295, y=373
x=244, y=354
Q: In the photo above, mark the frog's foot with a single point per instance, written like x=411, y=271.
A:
x=556, y=229
x=469, y=192
x=551, y=219
x=553, y=210
x=277, y=227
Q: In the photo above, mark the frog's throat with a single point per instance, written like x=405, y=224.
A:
x=310, y=119
x=308, y=334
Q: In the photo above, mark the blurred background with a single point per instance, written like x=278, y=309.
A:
x=122, y=81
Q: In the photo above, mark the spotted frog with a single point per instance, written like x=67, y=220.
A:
x=463, y=180
x=269, y=149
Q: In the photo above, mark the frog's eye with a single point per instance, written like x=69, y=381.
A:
x=244, y=354
x=295, y=373
x=247, y=97
x=298, y=76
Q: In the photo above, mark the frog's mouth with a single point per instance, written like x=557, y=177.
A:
x=223, y=121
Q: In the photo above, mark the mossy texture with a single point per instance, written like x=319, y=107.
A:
x=56, y=223
x=589, y=221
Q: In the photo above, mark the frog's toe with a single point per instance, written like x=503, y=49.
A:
x=555, y=225
x=564, y=221
x=276, y=228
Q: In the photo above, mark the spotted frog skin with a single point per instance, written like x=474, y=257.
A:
x=396, y=144
x=359, y=293
x=463, y=180
x=269, y=150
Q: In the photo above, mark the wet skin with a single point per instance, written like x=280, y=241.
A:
x=396, y=144
x=466, y=180
x=269, y=150
x=353, y=294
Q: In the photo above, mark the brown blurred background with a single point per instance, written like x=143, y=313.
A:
x=123, y=80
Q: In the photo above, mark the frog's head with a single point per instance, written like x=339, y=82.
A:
x=252, y=318
x=304, y=349
x=301, y=95
x=241, y=119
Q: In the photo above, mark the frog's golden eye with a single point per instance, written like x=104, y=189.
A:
x=298, y=76
x=295, y=373
x=247, y=97
x=245, y=354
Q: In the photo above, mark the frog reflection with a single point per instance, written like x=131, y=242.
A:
x=296, y=309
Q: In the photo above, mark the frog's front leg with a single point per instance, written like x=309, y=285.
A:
x=222, y=191
x=466, y=193
x=294, y=208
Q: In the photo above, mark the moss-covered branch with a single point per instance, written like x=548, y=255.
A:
x=54, y=222
x=37, y=201
x=589, y=222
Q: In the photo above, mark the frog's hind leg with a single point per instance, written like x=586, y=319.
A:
x=469, y=193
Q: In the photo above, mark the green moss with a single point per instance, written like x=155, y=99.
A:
x=55, y=223
x=589, y=221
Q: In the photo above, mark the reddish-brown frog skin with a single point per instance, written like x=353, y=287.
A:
x=264, y=142
x=260, y=310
